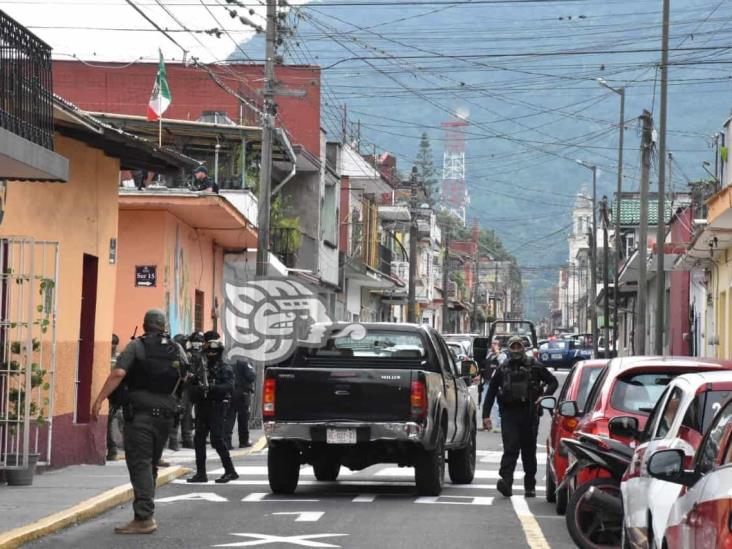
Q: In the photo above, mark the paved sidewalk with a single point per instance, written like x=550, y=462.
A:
x=62, y=497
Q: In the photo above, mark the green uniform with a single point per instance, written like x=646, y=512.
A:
x=153, y=364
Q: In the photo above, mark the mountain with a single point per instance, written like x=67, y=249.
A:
x=526, y=74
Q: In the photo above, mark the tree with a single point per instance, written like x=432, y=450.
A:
x=426, y=168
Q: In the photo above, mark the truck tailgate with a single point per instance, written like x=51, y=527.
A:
x=308, y=394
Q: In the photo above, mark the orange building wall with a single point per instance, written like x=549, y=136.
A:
x=82, y=215
x=187, y=260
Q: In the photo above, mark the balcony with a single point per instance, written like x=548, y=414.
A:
x=285, y=243
x=26, y=107
x=385, y=259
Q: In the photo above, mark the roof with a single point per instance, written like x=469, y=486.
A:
x=630, y=209
x=625, y=363
x=698, y=379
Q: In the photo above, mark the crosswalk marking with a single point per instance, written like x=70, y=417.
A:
x=364, y=498
x=495, y=457
x=455, y=500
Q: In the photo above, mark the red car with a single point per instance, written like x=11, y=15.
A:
x=700, y=517
x=576, y=388
x=629, y=386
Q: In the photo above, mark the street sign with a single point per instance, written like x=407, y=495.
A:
x=145, y=276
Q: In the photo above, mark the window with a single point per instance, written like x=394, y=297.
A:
x=652, y=419
x=638, y=393
x=703, y=408
x=710, y=447
x=588, y=379
x=330, y=214
x=669, y=412
x=198, y=312
x=595, y=391
x=379, y=344
x=567, y=384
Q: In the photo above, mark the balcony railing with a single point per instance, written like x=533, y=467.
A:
x=26, y=90
x=285, y=243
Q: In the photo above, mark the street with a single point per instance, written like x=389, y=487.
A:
x=376, y=507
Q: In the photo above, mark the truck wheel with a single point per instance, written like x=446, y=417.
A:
x=461, y=462
x=429, y=470
x=283, y=468
x=551, y=486
x=326, y=469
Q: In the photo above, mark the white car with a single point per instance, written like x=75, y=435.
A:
x=678, y=422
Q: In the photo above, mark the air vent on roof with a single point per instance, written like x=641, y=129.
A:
x=216, y=117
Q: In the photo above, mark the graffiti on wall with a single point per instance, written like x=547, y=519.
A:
x=177, y=289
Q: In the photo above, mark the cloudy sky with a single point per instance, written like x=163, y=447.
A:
x=112, y=30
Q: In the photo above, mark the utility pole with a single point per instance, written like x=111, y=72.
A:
x=618, y=243
x=661, y=227
x=592, y=293
x=639, y=338
x=606, y=276
x=268, y=127
x=476, y=283
x=411, y=293
x=445, y=280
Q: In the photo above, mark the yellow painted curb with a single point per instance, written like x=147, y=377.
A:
x=258, y=446
x=83, y=511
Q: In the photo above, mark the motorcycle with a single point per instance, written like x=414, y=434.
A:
x=595, y=509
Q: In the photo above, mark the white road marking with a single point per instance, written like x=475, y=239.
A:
x=534, y=536
x=304, y=516
x=265, y=539
x=194, y=496
x=364, y=498
x=358, y=482
x=495, y=457
x=451, y=500
x=261, y=470
x=258, y=497
x=409, y=472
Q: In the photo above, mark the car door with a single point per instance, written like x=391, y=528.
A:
x=449, y=380
x=709, y=515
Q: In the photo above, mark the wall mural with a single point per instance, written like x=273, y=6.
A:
x=177, y=294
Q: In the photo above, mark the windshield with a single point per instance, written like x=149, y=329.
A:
x=557, y=345
x=639, y=393
x=376, y=344
x=456, y=349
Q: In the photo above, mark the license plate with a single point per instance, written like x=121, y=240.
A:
x=556, y=357
x=340, y=436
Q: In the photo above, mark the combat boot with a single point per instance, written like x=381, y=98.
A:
x=504, y=488
x=137, y=526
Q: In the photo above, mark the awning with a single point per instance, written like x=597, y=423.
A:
x=706, y=246
x=207, y=212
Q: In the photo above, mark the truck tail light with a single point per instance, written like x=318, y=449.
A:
x=268, y=397
x=418, y=400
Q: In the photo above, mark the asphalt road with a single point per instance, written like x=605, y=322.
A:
x=377, y=507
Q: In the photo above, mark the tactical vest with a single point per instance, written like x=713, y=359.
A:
x=159, y=371
x=516, y=382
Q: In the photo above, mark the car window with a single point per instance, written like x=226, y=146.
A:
x=558, y=345
x=670, y=409
x=567, y=384
x=587, y=380
x=653, y=418
x=638, y=393
x=596, y=389
x=447, y=360
x=703, y=408
x=710, y=447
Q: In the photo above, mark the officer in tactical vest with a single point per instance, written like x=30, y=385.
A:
x=152, y=367
x=212, y=397
x=518, y=383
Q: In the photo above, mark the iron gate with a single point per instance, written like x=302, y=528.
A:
x=28, y=311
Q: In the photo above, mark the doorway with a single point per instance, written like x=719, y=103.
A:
x=87, y=322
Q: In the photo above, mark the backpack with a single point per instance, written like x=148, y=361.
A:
x=515, y=383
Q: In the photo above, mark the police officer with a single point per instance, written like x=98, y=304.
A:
x=197, y=360
x=518, y=382
x=244, y=378
x=211, y=400
x=153, y=367
x=202, y=182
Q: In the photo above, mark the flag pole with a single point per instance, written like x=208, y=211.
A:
x=160, y=130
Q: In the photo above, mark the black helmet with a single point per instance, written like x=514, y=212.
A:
x=181, y=340
x=196, y=337
x=515, y=353
x=211, y=335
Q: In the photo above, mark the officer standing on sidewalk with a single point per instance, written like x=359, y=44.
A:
x=518, y=382
x=152, y=367
x=211, y=402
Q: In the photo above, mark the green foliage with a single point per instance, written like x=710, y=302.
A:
x=426, y=168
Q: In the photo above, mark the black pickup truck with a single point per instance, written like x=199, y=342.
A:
x=393, y=396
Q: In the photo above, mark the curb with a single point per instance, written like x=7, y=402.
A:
x=85, y=510
x=258, y=446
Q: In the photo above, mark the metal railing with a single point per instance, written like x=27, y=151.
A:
x=26, y=89
x=385, y=259
x=285, y=243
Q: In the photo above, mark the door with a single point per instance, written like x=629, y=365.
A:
x=450, y=386
x=87, y=322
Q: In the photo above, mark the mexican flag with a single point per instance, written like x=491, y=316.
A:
x=160, y=98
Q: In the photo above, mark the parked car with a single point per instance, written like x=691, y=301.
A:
x=700, y=517
x=562, y=353
x=679, y=421
x=576, y=388
x=395, y=396
x=503, y=330
x=629, y=386
x=464, y=340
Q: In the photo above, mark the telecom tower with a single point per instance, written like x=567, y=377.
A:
x=454, y=193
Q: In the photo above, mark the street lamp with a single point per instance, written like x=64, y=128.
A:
x=593, y=256
x=621, y=127
x=705, y=166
